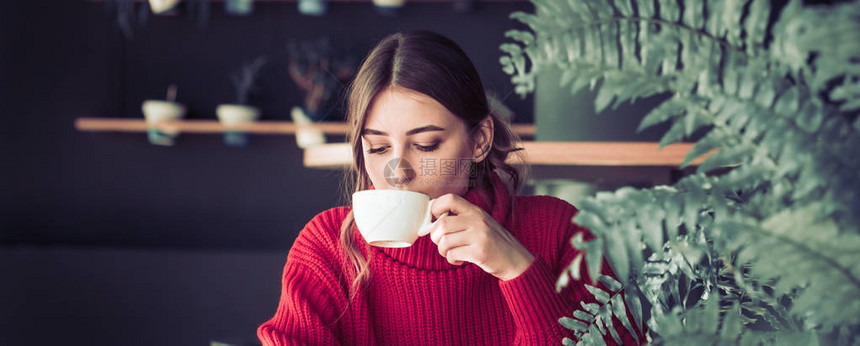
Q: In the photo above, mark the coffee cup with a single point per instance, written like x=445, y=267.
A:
x=392, y=218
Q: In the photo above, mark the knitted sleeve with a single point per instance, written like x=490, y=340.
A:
x=311, y=298
x=532, y=297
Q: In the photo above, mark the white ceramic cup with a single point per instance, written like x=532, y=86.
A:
x=392, y=218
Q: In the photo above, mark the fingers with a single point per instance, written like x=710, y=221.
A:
x=452, y=241
x=460, y=255
x=446, y=225
x=452, y=203
x=448, y=234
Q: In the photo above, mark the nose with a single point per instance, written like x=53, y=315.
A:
x=400, y=181
x=399, y=172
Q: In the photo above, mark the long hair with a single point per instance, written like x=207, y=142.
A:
x=435, y=66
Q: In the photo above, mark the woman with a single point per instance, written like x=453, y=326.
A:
x=485, y=275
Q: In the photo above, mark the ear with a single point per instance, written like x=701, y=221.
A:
x=483, y=139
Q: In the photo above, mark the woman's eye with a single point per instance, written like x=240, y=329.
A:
x=431, y=147
x=376, y=150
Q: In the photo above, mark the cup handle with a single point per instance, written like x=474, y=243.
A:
x=425, y=230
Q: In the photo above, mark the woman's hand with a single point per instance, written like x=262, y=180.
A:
x=468, y=234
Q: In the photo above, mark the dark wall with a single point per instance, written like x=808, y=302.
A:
x=120, y=296
x=67, y=59
x=562, y=116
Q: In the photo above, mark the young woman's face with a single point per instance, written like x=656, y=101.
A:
x=412, y=142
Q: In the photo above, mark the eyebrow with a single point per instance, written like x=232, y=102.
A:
x=427, y=128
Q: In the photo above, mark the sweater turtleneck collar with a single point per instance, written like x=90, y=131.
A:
x=423, y=254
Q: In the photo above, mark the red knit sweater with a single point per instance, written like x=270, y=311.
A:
x=416, y=297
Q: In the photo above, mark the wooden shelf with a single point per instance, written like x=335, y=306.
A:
x=339, y=155
x=267, y=127
x=199, y=126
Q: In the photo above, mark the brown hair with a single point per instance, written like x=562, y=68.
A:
x=435, y=66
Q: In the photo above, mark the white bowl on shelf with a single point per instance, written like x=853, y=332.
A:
x=233, y=114
x=156, y=111
x=162, y=6
x=306, y=135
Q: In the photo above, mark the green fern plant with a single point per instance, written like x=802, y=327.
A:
x=762, y=243
x=595, y=319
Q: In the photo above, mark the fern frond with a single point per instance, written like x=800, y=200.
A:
x=707, y=324
x=849, y=94
x=802, y=33
x=761, y=308
x=798, y=249
x=592, y=323
x=600, y=30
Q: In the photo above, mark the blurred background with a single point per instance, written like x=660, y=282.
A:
x=107, y=239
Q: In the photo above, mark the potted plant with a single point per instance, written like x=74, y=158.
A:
x=318, y=69
x=231, y=115
x=158, y=111
x=762, y=244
